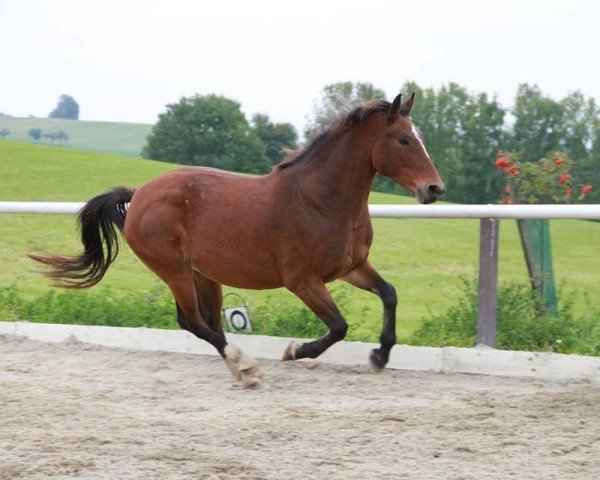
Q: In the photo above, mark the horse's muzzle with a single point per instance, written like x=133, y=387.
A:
x=430, y=193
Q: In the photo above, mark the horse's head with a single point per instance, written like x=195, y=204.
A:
x=401, y=155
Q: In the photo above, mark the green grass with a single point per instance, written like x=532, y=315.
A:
x=109, y=137
x=423, y=258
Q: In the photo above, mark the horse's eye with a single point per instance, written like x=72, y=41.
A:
x=404, y=141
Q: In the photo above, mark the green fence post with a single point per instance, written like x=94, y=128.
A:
x=538, y=234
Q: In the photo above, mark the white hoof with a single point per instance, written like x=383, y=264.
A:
x=290, y=351
x=242, y=366
x=232, y=360
x=249, y=380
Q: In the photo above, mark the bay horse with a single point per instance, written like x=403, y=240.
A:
x=300, y=226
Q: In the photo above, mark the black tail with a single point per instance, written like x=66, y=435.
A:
x=98, y=221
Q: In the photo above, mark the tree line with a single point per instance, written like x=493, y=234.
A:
x=462, y=130
x=36, y=133
x=212, y=131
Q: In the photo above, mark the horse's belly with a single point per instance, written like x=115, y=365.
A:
x=240, y=275
x=229, y=263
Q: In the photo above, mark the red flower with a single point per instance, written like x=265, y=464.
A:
x=503, y=160
x=558, y=161
x=567, y=192
x=502, y=163
x=564, y=178
x=514, y=171
x=586, y=189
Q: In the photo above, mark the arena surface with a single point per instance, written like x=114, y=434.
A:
x=75, y=410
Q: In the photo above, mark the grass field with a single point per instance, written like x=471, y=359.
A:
x=108, y=137
x=423, y=258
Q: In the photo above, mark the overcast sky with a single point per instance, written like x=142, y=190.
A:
x=124, y=60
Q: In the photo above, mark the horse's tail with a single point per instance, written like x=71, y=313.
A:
x=98, y=223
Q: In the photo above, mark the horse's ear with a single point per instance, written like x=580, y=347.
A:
x=407, y=106
x=395, y=108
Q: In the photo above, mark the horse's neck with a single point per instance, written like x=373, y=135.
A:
x=338, y=177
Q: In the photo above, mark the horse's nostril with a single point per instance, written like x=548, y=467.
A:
x=435, y=190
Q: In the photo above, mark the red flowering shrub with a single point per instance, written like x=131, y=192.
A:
x=545, y=181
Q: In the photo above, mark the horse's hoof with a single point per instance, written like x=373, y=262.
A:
x=253, y=371
x=290, y=351
x=377, y=361
x=234, y=369
x=250, y=381
x=247, y=363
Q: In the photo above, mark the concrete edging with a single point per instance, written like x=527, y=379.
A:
x=481, y=360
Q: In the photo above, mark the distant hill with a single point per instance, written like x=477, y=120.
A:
x=108, y=137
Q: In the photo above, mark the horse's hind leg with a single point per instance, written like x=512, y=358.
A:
x=210, y=301
x=190, y=318
x=367, y=278
x=318, y=299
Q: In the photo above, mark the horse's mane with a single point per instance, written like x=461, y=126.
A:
x=341, y=125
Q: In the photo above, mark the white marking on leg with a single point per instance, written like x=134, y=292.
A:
x=242, y=366
x=232, y=356
x=290, y=351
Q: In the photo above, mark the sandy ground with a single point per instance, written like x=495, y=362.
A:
x=74, y=410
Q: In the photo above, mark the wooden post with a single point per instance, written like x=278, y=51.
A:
x=488, y=282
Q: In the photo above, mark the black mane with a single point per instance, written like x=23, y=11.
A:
x=341, y=125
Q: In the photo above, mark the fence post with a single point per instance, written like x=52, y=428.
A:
x=487, y=301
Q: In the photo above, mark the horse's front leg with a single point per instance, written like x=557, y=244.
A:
x=316, y=297
x=367, y=278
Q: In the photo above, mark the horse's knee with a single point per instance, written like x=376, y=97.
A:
x=338, y=329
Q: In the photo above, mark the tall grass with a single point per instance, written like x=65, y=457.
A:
x=523, y=323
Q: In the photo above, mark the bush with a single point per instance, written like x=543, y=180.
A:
x=155, y=310
x=102, y=307
x=523, y=323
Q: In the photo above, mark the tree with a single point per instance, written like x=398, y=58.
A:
x=462, y=131
x=5, y=132
x=62, y=136
x=275, y=136
x=572, y=125
x=337, y=99
x=582, y=137
x=483, y=134
x=208, y=130
x=66, y=108
x=35, y=134
x=539, y=123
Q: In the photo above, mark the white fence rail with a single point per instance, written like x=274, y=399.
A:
x=383, y=211
x=488, y=258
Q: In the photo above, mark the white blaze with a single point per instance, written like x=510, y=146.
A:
x=418, y=137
